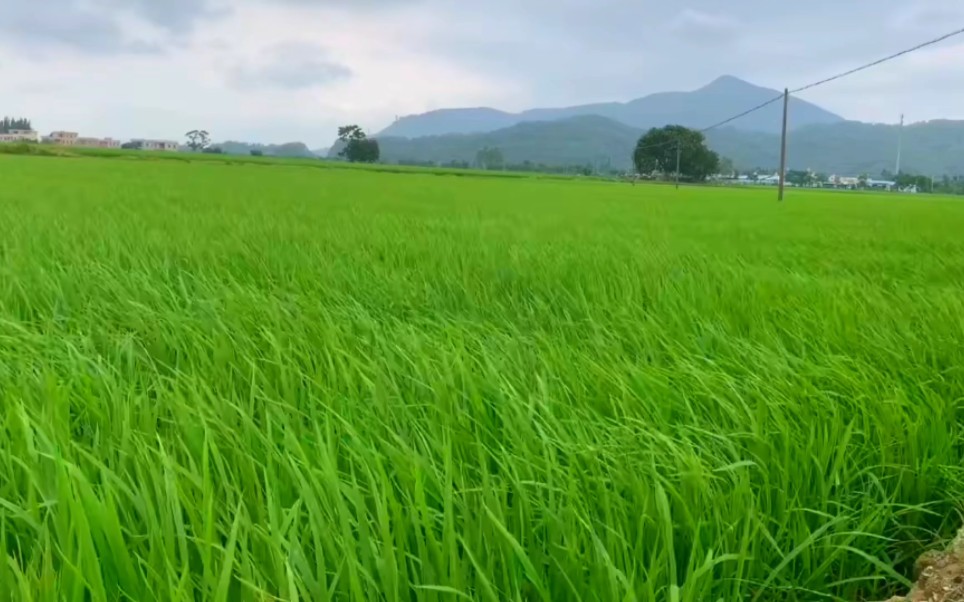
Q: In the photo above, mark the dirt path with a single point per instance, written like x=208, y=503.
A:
x=941, y=576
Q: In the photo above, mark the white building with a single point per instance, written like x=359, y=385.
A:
x=845, y=181
x=883, y=184
x=20, y=136
x=98, y=142
x=155, y=145
x=61, y=138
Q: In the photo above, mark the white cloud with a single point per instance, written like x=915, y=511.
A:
x=289, y=66
x=705, y=28
x=129, y=68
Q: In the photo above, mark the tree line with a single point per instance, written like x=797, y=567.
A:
x=14, y=123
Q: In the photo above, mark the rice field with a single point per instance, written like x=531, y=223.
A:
x=268, y=382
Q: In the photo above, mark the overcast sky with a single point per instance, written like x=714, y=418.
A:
x=283, y=70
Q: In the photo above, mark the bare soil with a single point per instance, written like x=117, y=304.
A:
x=940, y=576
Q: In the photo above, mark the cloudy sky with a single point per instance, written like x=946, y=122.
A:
x=282, y=70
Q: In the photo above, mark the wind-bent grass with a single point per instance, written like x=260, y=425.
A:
x=234, y=383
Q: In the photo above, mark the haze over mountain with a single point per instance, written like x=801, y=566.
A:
x=288, y=149
x=846, y=147
x=719, y=100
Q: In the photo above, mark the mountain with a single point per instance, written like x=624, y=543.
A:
x=700, y=108
x=577, y=140
x=852, y=148
x=846, y=147
x=288, y=149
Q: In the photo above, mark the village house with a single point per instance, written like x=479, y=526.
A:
x=155, y=145
x=74, y=139
x=61, y=138
x=20, y=136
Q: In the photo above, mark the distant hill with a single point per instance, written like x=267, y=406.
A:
x=288, y=149
x=706, y=106
x=846, y=147
x=852, y=148
x=576, y=140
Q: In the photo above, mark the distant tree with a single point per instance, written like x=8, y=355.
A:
x=131, y=146
x=359, y=148
x=489, y=158
x=726, y=167
x=922, y=183
x=198, y=140
x=862, y=180
x=257, y=153
x=798, y=177
x=656, y=152
x=364, y=151
x=13, y=123
x=213, y=150
x=347, y=133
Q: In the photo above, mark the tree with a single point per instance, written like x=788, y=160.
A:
x=922, y=183
x=489, y=158
x=364, y=151
x=798, y=178
x=198, y=140
x=656, y=152
x=257, y=153
x=359, y=148
x=346, y=133
x=727, y=168
x=13, y=123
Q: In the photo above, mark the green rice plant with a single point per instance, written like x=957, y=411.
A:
x=223, y=382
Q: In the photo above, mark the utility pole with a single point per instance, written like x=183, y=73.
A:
x=679, y=155
x=783, y=143
x=900, y=144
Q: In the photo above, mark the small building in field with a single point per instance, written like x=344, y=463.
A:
x=881, y=184
x=61, y=138
x=155, y=145
x=98, y=142
x=844, y=181
x=75, y=139
x=20, y=136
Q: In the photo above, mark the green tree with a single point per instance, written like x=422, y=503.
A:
x=489, y=158
x=347, y=133
x=198, y=140
x=727, y=168
x=923, y=183
x=359, y=148
x=798, y=177
x=656, y=152
x=13, y=123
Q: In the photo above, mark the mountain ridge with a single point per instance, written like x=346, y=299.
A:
x=720, y=99
x=847, y=147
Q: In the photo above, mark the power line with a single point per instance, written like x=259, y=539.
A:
x=938, y=40
x=821, y=82
x=743, y=114
x=780, y=97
